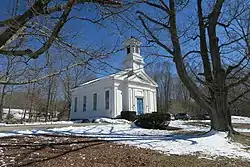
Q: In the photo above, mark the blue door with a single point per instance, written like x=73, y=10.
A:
x=139, y=106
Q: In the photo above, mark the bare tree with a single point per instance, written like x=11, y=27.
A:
x=217, y=38
x=71, y=79
x=161, y=72
x=9, y=72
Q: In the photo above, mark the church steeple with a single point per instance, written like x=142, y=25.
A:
x=133, y=58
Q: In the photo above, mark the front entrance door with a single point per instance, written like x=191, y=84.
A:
x=139, y=106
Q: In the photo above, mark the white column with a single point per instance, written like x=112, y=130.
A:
x=155, y=109
x=145, y=101
x=149, y=104
x=133, y=107
x=129, y=99
x=115, y=102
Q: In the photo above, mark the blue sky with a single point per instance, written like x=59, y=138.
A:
x=93, y=35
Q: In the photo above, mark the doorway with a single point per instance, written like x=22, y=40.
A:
x=139, y=106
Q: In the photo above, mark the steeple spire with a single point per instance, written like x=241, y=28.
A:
x=133, y=58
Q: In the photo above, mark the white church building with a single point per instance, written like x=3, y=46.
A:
x=128, y=90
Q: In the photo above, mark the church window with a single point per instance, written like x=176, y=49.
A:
x=84, y=103
x=128, y=50
x=137, y=49
x=107, y=99
x=75, y=106
x=95, y=101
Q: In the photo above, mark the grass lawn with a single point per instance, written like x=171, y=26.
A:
x=65, y=151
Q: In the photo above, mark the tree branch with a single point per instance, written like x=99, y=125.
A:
x=239, y=96
x=152, y=20
x=190, y=52
x=154, y=37
x=39, y=8
x=231, y=68
x=20, y=21
x=165, y=8
x=55, y=32
x=240, y=81
x=15, y=52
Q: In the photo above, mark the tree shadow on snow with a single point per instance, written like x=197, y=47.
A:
x=70, y=136
x=28, y=153
x=120, y=135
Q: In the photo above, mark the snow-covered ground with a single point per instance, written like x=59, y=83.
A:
x=212, y=144
x=17, y=113
x=235, y=119
x=38, y=123
x=240, y=119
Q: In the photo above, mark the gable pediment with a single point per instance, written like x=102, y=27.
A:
x=141, y=77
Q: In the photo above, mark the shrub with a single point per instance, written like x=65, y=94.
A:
x=153, y=120
x=9, y=116
x=128, y=115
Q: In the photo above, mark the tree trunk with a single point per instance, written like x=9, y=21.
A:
x=68, y=110
x=165, y=99
x=220, y=113
x=3, y=93
x=9, y=111
x=24, y=115
x=48, y=103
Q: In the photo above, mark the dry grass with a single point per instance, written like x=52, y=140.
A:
x=243, y=138
x=65, y=151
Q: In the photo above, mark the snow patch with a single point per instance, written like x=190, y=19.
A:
x=184, y=125
x=112, y=121
x=240, y=119
x=39, y=123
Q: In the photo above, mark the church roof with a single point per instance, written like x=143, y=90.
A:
x=125, y=74
x=132, y=40
x=105, y=77
x=132, y=37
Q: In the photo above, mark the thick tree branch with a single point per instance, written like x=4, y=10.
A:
x=178, y=59
x=15, y=52
x=39, y=8
x=55, y=32
x=20, y=21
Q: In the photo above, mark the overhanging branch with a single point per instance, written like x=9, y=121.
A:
x=154, y=37
x=82, y=63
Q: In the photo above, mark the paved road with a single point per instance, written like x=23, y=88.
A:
x=30, y=127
